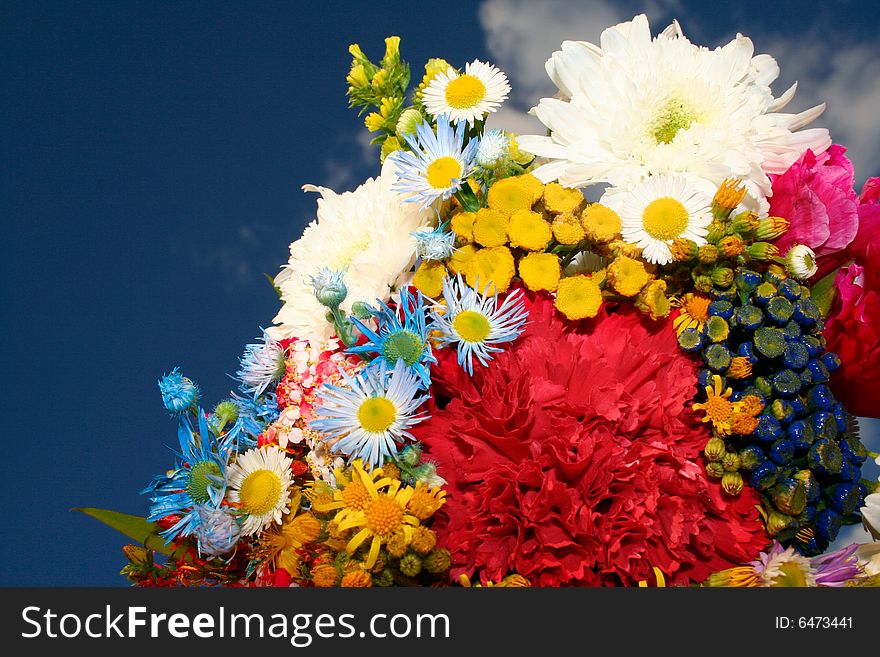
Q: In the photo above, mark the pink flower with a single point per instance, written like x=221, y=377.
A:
x=816, y=195
x=853, y=332
x=853, y=325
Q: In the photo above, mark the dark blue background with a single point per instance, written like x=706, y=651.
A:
x=152, y=155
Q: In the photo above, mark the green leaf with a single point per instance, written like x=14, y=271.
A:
x=823, y=292
x=136, y=528
x=272, y=283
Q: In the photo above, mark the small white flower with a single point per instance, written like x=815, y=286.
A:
x=800, y=261
x=467, y=97
x=259, y=482
x=661, y=209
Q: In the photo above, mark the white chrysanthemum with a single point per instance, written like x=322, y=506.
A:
x=467, y=97
x=367, y=232
x=259, y=482
x=636, y=106
x=661, y=209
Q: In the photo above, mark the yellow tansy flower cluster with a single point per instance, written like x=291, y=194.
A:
x=534, y=231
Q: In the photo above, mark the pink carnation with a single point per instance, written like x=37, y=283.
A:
x=816, y=195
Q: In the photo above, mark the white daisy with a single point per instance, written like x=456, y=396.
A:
x=477, y=323
x=634, y=107
x=438, y=164
x=259, y=482
x=661, y=209
x=372, y=413
x=800, y=260
x=368, y=233
x=468, y=96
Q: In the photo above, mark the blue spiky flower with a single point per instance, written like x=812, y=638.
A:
x=261, y=365
x=434, y=243
x=400, y=339
x=372, y=413
x=478, y=323
x=197, y=480
x=178, y=392
x=438, y=164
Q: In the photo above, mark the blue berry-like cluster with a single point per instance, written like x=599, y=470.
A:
x=801, y=456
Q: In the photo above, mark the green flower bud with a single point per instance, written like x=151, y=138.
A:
x=744, y=222
x=715, y=470
x=384, y=578
x=714, y=449
x=411, y=564
x=362, y=310
x=438, y=561
x=707, y=254
x=717, y=230
x=762, y=251
x=769, y=228
x=703, y=283
x=408, y=122
x=411, y=456
x=722, y=276
x=226, y=411
x=732, y=483
x=731, y=462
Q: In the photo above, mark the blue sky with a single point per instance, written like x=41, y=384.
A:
x=152, y=158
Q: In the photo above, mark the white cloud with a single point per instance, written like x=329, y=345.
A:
x=847, y=78
x=830, y=66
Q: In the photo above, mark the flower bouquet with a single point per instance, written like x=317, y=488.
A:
x=625, y=352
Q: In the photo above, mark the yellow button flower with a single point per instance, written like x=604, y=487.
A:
x=491, y=267
x=490, y=227
x=559, y=199
x=429, y=278
x=528, y=230
x=540, y=271
x=578, y=297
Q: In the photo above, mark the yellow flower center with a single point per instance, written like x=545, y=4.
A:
x=791, y=575
x=665, y=218
x=376, y=414
x=259, y=492
x=383, y=515
x=471, y=326
x=674, y=116
x=578, y=297
x=442, y=171
x=465, y=91
x=718, y=409
x=697, y=307
x=355, y=496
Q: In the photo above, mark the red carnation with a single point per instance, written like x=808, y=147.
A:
x=574, y=459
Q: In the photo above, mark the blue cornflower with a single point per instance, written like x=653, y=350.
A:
x=405, y=340
x=368, y=417
x=197, y=480
x=438, y=164
x=178, y=392
x=477, y=323
x=434, y=243
x=261, y=365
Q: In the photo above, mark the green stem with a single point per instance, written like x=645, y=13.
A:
x=578, y=248
x=343, y=327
